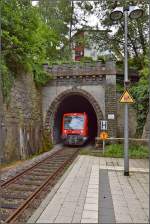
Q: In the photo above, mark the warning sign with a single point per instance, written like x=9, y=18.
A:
x=126, y=98
x=103, y=135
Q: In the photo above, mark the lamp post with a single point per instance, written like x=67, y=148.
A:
x=134, y=12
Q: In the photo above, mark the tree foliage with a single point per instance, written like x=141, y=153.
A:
x=140, y=91
x=30, y=38
x=113, y=39
x=137, y=29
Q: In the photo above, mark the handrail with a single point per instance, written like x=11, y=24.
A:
x=134, y=139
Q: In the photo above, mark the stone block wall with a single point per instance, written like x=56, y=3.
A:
x=111, y=105
x=23, y=120
x=98, y=80
x=146, y=130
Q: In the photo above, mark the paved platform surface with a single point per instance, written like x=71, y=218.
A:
x=94, y=190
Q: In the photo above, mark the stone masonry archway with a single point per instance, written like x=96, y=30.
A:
x=51, y=116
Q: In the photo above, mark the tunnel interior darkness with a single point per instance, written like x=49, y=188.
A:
x=73, y=104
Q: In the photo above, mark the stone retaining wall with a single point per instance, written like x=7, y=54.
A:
x=146, y=130
x=23, y=120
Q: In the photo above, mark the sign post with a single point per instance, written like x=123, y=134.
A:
x=126, y=98
x=103, y=136
x=103, y=125
x=103, y=146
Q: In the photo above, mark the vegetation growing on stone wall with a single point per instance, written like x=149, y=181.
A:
x=41, y=77
x=46, y=144
x=141, y=94
x=139, y=90
x=28, y=40
x=7, y=80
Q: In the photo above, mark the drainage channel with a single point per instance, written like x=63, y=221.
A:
x=106, y=209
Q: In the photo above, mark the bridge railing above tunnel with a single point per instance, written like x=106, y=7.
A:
x=88, y=68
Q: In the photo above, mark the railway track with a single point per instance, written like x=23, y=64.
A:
x=18, y=192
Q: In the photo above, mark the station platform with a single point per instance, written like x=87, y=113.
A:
x=94, y=190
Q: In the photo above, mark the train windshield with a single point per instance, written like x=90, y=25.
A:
x=74, y=122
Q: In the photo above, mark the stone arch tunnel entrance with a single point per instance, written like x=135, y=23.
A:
x=72, y=102
x=89, y=88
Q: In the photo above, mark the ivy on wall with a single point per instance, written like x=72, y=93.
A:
x=27, y=42
x=140, y=92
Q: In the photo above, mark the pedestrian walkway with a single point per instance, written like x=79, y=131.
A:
x=94, y=190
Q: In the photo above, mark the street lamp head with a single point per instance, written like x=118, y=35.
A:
x=135, y=12
x=116, y=14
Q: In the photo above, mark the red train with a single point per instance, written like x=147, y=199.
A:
x=75, y=128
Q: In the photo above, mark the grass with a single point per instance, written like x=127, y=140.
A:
x=117, y=151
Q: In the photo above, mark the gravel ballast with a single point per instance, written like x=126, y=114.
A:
x=7, y=173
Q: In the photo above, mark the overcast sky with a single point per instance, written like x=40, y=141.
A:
x=92, y=19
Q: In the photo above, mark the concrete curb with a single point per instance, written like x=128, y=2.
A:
x=119, y=168
x=49, y=197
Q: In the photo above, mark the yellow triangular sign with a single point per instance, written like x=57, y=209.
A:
x=126, y=98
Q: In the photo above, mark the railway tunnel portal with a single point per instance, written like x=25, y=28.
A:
x=88, y=88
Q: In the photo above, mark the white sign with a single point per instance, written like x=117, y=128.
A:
x=103, y=125
x=111, y=116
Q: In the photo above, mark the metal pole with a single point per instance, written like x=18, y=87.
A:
x=126, y=145
x=103, y=146
x=149, y=103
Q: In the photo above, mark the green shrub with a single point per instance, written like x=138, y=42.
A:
x=138, y=151
x=114, y=150
x=117, y=151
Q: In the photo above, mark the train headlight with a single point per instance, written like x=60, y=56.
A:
x=84, y=138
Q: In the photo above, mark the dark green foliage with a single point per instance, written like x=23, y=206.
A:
x=29, y=38
x=141, y=94
x=7, y=80
x=40, y=76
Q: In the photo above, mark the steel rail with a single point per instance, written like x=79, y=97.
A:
x=11, y=180
x=20, y=209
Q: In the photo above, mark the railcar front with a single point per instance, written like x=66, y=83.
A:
x=75, y=128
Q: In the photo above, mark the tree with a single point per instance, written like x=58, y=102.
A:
x=58, y=16
x=114, y=41
x=27, y=42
